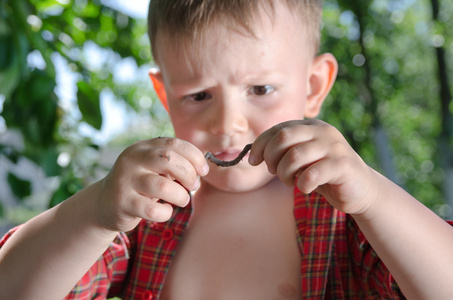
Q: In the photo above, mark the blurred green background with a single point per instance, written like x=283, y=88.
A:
x=74, y=92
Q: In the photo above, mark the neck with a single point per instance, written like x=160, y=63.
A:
x=210, y=198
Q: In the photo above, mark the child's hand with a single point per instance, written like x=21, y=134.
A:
x=146, y=178
x=316, y=155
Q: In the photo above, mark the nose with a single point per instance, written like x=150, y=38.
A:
x=229, y=117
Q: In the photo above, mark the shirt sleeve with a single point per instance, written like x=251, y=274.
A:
x=371, y=273
x=106, y=277
x=7, y=236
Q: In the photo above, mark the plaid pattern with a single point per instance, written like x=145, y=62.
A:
x=337, y=261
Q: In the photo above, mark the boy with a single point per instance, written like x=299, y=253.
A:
x=233, y=73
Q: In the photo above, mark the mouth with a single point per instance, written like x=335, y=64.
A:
x=227, y=154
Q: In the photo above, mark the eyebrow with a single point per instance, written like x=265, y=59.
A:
x=261, y=74
x=188, y=87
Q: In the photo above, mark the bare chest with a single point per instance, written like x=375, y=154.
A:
x=258, y=258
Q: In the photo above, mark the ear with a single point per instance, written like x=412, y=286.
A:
x=156, y=78
x=322, y=77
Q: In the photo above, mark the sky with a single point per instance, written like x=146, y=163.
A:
x=135, y=8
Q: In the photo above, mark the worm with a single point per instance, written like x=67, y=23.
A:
x=229, y=163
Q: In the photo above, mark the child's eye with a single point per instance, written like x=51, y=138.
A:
x=198, y=96
x=261, y=90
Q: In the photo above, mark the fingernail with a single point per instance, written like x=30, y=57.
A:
x=205, y=170
x=252, y=160
x=271, y=170
x=197, y=184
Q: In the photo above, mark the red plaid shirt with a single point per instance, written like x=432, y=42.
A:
x=337, y=261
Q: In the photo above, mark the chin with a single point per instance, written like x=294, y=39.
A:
x=239, y=179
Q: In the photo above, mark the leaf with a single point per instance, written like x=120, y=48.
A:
x=41, y=86
x=59, y=196
x=6, y=49
x=68, y=187
x=49, y=163
x=10, y=67
x=32, y=108
x=20, y=187
x=89, y=105
x=12, y=155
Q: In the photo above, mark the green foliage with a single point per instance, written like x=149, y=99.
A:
x=21, y=188
x=388, y=77
x=67, y=188
x=25, y=109
x=53, y=30
x=89, y=105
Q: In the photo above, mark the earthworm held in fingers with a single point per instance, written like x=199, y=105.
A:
x=229, y=163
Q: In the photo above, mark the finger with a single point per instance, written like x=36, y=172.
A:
x=167, y=162
x=330, y=171
x=284, y=141
x=155, y=186
x=188, y=151
x=315, y=175
x=300, y=157
x=279, y=138
x=149, y=209
x=257, y=152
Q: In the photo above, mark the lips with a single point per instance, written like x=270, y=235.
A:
x=227, y=154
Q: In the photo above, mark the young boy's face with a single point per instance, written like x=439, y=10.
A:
x=223, y=93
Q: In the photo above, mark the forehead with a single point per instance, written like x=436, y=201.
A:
x=281, y=25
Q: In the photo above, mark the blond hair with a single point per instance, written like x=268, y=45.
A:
x=187, y=20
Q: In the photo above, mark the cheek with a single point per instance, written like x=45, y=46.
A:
x=182, y=127
x=189, y=131
x=289, y=112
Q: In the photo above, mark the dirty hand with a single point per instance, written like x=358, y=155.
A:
x=316, y=157
x=146, y=179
